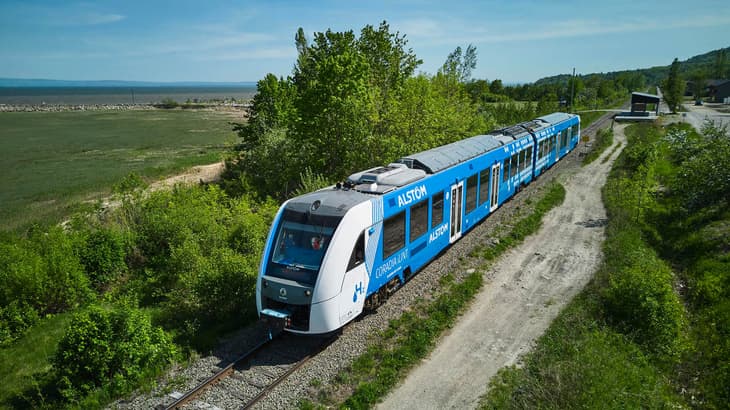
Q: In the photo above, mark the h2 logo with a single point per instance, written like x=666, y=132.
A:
x=358, y=290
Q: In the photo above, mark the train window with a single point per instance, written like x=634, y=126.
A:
x=419, y=220
x=564, y=138
x=523, y=160
x=394, y=234
x=437, y=209
x=358, y=253
x=513, y=166
x=505, y=170
x=471, y=193
x=529, y=156
x=575, y=129
x=484, y=186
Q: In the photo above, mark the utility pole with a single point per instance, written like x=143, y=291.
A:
x=572, y=85
x=132, y=90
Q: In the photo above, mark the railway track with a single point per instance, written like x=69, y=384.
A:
x=598, y=124
x=249, y=378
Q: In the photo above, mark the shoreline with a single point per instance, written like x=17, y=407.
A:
x=117, y=107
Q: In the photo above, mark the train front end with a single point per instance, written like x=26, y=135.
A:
x=302, y=277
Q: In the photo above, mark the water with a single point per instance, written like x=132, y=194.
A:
x=121, y=95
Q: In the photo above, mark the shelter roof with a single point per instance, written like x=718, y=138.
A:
x=644, y=98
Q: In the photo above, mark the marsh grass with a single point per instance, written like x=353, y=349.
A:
x=54, y=161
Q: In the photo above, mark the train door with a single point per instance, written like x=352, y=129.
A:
x=457, y=211
x=494, y=196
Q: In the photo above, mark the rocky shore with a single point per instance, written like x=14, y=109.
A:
x=112, y=107
x=72, y=107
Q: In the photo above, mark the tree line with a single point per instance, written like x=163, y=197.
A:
x=355, y=101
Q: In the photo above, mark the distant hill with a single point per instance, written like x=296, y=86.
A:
x=39, y=82
x=653, y=75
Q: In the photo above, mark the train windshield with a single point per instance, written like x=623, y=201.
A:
x=299, y=249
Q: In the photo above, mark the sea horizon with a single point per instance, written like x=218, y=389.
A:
x=148, y=94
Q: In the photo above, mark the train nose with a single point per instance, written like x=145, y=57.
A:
x=288, y=301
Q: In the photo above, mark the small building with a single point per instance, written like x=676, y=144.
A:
x=644, y=107
x=718, y=91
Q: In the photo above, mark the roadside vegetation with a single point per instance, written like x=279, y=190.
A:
x=129, y=290
x=603, y=140
x=650, y=330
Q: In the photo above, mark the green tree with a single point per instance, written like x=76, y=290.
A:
x=574, y=89
x=335, y=102
x=699, y=81
x=496, y=86
x=351, y=103
x=673, y=86
x=460, y=66
x=272, y=107
x=720, y=68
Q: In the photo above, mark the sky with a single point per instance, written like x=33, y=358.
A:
x=229, y=41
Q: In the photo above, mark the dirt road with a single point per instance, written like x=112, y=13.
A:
x=523, y=293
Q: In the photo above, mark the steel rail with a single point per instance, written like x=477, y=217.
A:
x=225, y=372
x=266, y=390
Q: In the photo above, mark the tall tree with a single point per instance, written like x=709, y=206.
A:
x=334, y=102
x=496, y=86
x=673, y=87
x=699, y=81
x=720, y=69
x=460, y=66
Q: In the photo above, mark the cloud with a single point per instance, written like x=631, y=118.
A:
x=439, y=32
x=422, y=28
x=93, y=19
x=273, y=53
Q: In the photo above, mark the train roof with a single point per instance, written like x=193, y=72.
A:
x=556, y=117
x=330, y=202
x=440, y=158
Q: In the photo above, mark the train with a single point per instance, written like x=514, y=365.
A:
x=333, y=253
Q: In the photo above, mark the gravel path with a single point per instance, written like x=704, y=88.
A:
x=524, y=292
x=320, y=372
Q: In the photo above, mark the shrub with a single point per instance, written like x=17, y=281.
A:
x=640, y=300
x=64, y=284
x=15, y=318
x=114, y=348
x=710, y=282
x=43, y=272
x=103, y=256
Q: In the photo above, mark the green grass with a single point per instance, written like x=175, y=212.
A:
x=52, y=160
x=589, y=117
x=29, y=356
x=581, y=364
x=411, y=337
x=604, y=139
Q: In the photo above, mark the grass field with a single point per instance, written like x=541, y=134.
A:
x=51, y=161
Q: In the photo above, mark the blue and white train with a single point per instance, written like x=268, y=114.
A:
x=332, y=253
